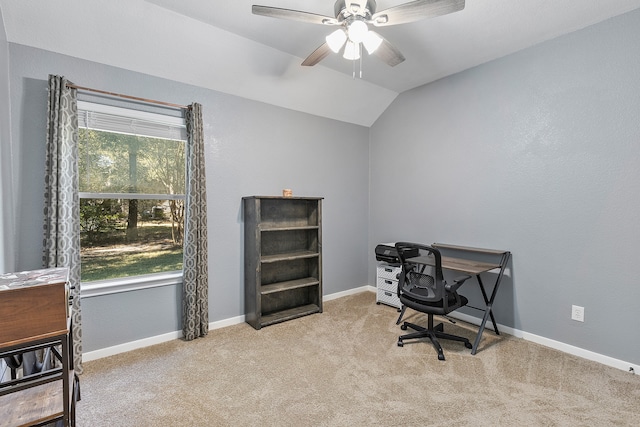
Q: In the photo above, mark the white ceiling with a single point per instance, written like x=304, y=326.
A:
x=231, y=50
x=434, y=48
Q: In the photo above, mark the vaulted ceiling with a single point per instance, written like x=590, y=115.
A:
x=221, y=45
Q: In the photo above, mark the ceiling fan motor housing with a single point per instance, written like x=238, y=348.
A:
x=342, y=11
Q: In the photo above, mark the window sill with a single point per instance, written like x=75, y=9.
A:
x=127, y=284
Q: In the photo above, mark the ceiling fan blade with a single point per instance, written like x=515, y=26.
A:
x=294, y=15
x=389, y=53
x=317, y=55
x=415, y=10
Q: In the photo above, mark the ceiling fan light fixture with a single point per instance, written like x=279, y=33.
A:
x=357, y=31
x=372, y=41
x=336, y=40
x=351, y=51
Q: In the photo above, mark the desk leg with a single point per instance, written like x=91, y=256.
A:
x=474, y=349
x=488, y=313
x=489, y=302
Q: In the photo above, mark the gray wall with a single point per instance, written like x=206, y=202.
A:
x=6, y=208
x=251, y=149
x=537, y=153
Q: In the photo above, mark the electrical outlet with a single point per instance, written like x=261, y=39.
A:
x=577, y=313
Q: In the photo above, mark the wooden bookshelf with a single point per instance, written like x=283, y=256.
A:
x=283, y=258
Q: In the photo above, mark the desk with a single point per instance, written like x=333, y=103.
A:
x=474, y=268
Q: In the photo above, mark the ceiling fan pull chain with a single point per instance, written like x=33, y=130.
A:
x=353, y=75
x=360, y=48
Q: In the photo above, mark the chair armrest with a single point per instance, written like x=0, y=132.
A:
x=457, y=282
x=412, y=268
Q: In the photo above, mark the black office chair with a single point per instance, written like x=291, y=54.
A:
x=427, y=293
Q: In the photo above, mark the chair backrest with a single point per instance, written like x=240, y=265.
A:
x=421, y=276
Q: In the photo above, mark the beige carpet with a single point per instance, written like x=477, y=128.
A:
x=343, y=368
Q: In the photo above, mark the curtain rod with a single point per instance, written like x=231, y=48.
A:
x=167, y=104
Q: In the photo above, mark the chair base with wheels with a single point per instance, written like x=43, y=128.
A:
x=431, y=332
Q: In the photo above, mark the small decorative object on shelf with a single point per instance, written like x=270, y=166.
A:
x=282, y=258
x=287, y=192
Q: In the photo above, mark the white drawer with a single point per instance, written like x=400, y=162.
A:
x=388, y=272
x=388, y=297
x=387, y=284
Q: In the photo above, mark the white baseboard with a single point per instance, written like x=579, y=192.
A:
x=128, y=346
x=581, y=352
x=226, y=322
x=365, y=288
x=557, y=345
x=146, y=342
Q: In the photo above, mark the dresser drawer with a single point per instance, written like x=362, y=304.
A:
x=388, y=272
x=388, y=297
x=387, y=284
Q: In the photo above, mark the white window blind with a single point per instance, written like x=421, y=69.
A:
x=131, y=122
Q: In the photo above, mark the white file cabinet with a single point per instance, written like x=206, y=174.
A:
x=387, y=284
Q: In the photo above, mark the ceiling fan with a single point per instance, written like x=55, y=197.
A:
x=354, y=18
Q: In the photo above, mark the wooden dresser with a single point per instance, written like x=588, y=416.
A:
x=35, y=314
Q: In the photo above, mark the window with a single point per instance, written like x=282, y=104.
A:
x=131, y=167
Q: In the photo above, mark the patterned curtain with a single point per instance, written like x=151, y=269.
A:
x=195, y=291
x=61, y=204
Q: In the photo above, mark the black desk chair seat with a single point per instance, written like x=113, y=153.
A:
x=427, y=293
